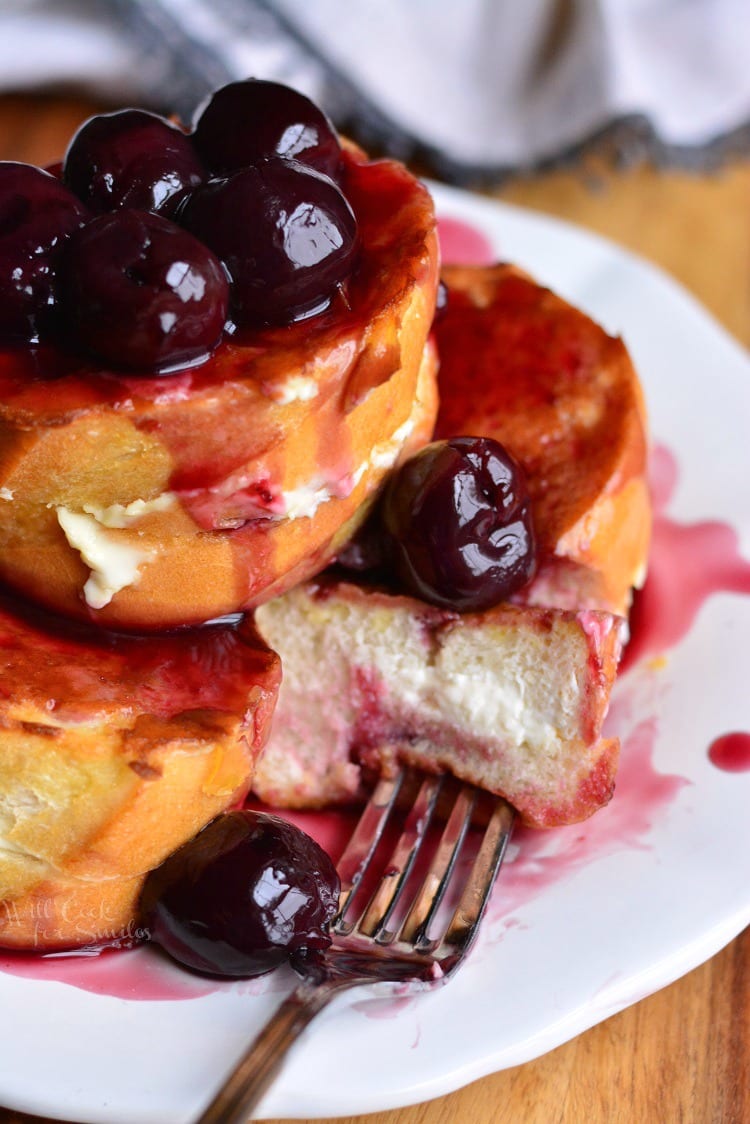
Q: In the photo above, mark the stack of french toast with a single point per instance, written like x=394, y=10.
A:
x=178, y=627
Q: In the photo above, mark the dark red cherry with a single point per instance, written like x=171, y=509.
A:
x=143, y=293
x=37, y=214
x=242, y=896
x=131, y=158
x=249, y=121
x=285, y=233
x=459, y=519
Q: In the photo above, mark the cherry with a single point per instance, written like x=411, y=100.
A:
x=248, y=121
x=242, y=896
x=141, y=292
x=37, y=214
x=131, y=158
x=459, y=522
x=285, y=233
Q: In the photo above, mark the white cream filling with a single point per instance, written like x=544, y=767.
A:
x=385, y=455
x=6, y=494
x=124, y=515
x=297, y=388
x=114, y=565
x=304, y=501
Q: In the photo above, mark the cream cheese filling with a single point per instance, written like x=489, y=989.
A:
x=302, y=502
x=297, y=388
x=114, y=565
x=124, y=515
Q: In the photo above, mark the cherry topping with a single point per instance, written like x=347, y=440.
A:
x=459, y=522
x=141, y=292
x=248, y=121
x=242, y=896
x=131, y=158
x=37, y=214
x=285, y=233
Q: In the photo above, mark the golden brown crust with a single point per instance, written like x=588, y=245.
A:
x=563, y=396
x=113, y=751
x=279, y=424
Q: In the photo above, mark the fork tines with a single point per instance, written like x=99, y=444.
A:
x=461, y=824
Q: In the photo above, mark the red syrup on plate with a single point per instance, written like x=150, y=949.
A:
x=540, y=859
x=731, y=752
x=138, y=973
x=463, y=244
x=688, y=563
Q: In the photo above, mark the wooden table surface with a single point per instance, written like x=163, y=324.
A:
x=684, y=1053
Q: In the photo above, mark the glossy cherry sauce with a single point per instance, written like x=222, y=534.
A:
x=77, y=672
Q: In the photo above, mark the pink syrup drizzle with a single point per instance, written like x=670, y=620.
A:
x=688, y=563
x=539, y=859
x=138, y=973
x=463, y=244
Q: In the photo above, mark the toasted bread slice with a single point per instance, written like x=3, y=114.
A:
x=521, y=365
x=114, y=749
x=144, y=502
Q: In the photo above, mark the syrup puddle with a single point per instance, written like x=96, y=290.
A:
x=688, y=563
x=137, y=973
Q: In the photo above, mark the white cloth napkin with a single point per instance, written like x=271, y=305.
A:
x=476, y=87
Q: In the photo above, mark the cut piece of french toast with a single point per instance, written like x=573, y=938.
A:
x=511, y=699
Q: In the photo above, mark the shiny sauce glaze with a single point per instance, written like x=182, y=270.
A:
x=74, y=672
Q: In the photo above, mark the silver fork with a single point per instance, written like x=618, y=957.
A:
x=391, y=938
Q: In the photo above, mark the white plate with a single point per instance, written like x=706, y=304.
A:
x=585, y=920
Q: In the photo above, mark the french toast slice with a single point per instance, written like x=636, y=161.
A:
x=144, y=503
x=512, y=698
x=522, y=365
x=114, y=749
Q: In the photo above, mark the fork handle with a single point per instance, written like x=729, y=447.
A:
x=257, y=1068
